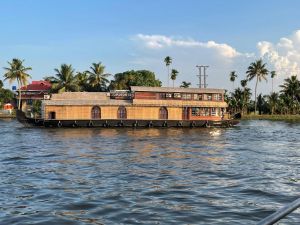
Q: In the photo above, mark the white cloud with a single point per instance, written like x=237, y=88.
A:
x=284, y=55
x=161, y=41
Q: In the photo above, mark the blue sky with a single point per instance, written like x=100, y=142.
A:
x=131, y=34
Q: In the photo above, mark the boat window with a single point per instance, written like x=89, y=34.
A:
x=51, y=115
x=213, y=111
x=220, y=97
x=177, y=95
x=122, y=113
x=195, y=111
x=96, y=112
x=168, y=95
x=186, y=96
x=196, y=97
x=162, y=95
x=209, y=97
x=200, y=97
x=163, y=113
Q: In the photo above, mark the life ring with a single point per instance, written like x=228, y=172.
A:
x=91, y=124
x=135, y=124
x=193, y=124
x=150, y=124
x=105, y=124
x=59, y=124
x=207, y=124
x=74, y=124
x=179, y=124
x=165, y=124
x=120, y=124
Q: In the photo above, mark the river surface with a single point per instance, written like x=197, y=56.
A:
x=148, y=176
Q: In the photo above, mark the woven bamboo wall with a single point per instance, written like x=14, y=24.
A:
x=110, y=112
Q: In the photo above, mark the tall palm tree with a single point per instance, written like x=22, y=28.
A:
x=174, y=74
x=232, y=77
x=259, y=71
x=64, y=79
x=273, y=74
x=185, y=84
x=168, y=61
x=17, y=71
x=98, y=79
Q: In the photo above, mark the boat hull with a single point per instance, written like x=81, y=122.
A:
x=119, y=123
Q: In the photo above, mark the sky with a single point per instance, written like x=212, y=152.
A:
x=226, y=35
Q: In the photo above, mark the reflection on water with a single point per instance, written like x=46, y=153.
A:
x=151, y=176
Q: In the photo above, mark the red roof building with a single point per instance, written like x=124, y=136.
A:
x=34, y=91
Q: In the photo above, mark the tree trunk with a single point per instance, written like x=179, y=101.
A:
x=168, y=76
x=255, y=95
x=20, y=98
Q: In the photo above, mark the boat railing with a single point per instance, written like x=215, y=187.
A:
x=281, y=213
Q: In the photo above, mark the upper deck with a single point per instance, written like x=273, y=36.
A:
x=147, y=96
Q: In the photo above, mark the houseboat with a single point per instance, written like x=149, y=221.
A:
x=136, y=107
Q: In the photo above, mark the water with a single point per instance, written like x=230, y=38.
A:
x=148, y=176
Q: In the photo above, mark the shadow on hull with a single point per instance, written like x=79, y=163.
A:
x=113, y=123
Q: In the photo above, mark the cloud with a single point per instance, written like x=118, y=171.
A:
x=161, y=41
x=284, y=56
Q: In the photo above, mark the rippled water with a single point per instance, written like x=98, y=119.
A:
x=148, y=176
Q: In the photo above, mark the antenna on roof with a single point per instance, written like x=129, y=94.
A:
x=202, y=76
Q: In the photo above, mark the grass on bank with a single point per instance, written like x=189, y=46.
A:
x=271, y=117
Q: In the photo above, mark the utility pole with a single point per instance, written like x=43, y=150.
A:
x=202, y=76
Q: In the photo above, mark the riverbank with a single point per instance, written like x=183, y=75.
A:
x=271, y=117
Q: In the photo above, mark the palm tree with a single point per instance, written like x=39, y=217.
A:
x=64, y=79
x=259, y=71
x=273, y=101
x=98, y=79
x=17, y=71
x=246, y=92
x=185, y=84
x=168, y=61
x=83, y=81
x=273, y=74
x=291, y=89
x=174, y=74
x=232, y=77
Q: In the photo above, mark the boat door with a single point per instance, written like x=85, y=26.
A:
x=186, y=113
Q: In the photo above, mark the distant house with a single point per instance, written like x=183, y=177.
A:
x=34, y=91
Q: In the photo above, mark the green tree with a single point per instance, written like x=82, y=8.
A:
x=98, y=79
x=273, y=74
x=259, y=71
x=185, y=84
x=273, y=101
x=6, y=95
x=64, y=79
x=1, y=84
x=36, y=108
x=174, y=74
x=17, y=71
x=82, y=79
x=168, y=61
x=246, y=96
x=232, y=77
x=291, y=89
x=134, y=78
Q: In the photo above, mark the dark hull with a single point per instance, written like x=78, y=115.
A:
x=123, y=123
